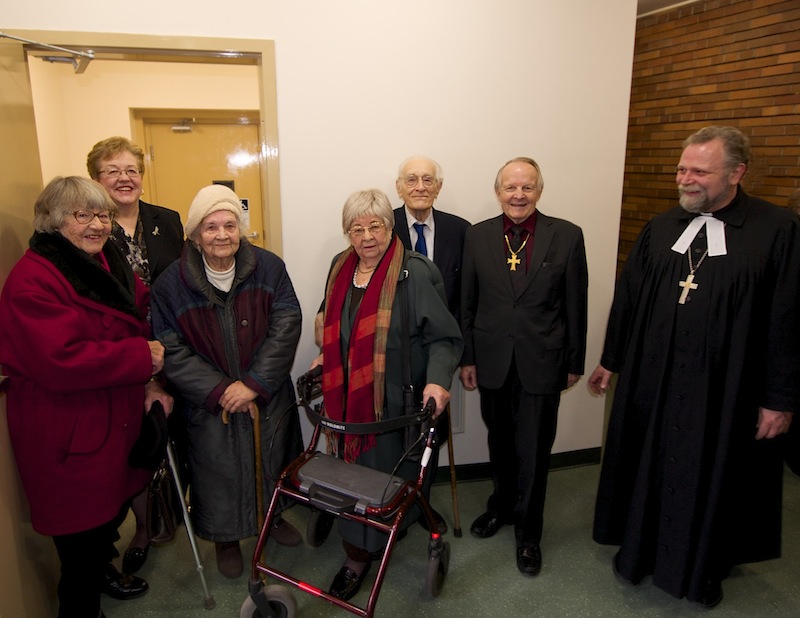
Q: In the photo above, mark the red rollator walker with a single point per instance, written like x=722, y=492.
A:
x=334, y=488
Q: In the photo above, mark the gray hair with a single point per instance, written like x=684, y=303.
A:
x=529, y=161
x=437, y=167
x=63, y=195
x=367, y=202
x=734, y=142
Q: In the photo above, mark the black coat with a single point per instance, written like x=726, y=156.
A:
x=163, y=236
x=448, y=245
x=685, y=487
x=543, y=327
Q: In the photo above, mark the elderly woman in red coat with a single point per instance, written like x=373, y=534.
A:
x=74, y=343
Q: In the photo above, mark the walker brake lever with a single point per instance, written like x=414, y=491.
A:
x=309, y=385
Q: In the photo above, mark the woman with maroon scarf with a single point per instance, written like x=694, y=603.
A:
x=362, y=350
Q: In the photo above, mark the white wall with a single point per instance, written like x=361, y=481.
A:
x=362, y=84
x=74, y=112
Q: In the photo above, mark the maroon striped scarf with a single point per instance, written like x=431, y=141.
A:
x=366, y=358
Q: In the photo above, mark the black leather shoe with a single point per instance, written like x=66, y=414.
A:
x=347, y=583
x=486, y=525
x=122, y=587
x=529, y=560
x=711, y=595
x=441, y=524
x=134, y=559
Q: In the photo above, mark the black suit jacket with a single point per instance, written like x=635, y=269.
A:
x=163, y=236
x=544, y=326
x=448, y=243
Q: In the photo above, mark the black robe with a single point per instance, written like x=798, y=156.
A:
x=685, y=488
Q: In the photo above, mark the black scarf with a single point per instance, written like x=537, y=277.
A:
x=115, y=289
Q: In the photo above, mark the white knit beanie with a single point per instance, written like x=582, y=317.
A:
x=211, y=199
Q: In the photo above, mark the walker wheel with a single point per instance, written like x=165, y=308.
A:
x=438, y=563
x=318, y=527
x=281, y=603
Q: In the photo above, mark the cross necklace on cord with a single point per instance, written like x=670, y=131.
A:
x=689, y=284
x=514, y=260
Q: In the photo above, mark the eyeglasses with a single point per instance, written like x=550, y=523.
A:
x=113, y=172
x=85, y=217
x=357, y=231
x=412, y=181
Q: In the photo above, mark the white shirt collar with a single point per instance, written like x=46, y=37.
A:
x=411, y=219
x=716, y=235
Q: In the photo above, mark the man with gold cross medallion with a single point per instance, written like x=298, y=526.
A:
x=523, y=316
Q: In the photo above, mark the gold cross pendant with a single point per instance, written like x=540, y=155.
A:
x=513, y=261
x=686, y=285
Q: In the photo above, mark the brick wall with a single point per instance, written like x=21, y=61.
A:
x=733, y=62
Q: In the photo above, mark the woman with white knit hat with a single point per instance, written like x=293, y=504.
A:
x=230, y=322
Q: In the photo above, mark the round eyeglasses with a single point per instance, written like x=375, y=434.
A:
x=85, y=217
x=412, y=181
x=358, y=231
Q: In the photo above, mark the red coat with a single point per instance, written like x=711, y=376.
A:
x=74, y=345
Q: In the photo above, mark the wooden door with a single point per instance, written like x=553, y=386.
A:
x=195, y=151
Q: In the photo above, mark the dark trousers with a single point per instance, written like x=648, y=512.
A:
x=522, y=428
x=85, y=556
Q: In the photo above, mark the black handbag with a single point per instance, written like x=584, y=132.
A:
x=162, y=507
x=150, y=448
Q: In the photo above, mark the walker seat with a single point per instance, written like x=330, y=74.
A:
x=335, y=485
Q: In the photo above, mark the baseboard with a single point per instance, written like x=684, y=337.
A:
x=481, y=471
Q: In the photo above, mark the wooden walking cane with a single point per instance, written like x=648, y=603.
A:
x=453, y=481
x=253, y=409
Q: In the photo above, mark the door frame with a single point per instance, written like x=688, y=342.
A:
x=203, y=50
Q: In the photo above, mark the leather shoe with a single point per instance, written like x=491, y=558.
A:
x=441, y=524
x=134, y=559
x=529, y=560
x=229, y=559
x=486, y=525
x=347, y=582
x=285, y=533
x=122, y=587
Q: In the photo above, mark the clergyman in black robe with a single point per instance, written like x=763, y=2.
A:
x=704, y=337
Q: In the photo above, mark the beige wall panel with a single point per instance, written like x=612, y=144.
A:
x=28, y=566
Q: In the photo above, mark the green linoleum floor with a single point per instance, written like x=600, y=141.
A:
x=576, y=578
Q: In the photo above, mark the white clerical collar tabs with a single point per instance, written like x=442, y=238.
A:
x=716, y=235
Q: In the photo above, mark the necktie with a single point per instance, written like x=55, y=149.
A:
x=518, y=275
x=516, y=237
x=420, y=247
